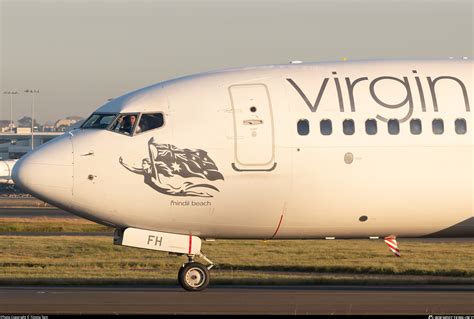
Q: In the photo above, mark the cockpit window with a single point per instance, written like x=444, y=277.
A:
x=99, y=121
x=125, y=124
x=150, y=122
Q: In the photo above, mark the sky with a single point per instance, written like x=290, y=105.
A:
x=79, y=53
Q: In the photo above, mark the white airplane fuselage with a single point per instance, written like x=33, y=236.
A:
x=233, y=159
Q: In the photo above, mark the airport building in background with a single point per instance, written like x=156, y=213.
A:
x=15, y=141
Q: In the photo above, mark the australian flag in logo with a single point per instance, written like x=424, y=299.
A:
x=166, y=161
x=170, y=160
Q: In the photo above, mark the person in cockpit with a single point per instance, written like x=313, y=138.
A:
x=129, y=123
x=125, y=124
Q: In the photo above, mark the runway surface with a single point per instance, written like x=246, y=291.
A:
x=424, y=300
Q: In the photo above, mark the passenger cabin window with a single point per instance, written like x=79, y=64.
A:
x=125, y=124
x=150, y=122
x=371, y=127
x=438, y=126
x=98, y=121
x=326, y=127
x=348, y=127
x=415, y=126
x=303, y=127
x=460, y=126
x=393, y=127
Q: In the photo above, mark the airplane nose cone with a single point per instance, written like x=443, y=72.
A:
x=47, y=172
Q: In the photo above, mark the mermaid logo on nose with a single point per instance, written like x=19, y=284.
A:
x=166, y=161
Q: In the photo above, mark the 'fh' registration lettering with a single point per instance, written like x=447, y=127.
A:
x=154, y=240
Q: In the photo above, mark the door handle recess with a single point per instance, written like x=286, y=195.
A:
x=253, y=122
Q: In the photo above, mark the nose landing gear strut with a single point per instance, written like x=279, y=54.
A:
x=192, y=276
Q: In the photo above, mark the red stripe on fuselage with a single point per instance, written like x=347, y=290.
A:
x=278, y=228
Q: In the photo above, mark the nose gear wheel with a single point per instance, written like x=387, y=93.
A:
x=193, y=276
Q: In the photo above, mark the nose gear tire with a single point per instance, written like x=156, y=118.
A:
x=193, y=276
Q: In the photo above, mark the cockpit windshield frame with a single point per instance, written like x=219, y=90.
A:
x=152, y=129
x=86, y=122
x=134, y=131
x=112, y=126
x=131, y=132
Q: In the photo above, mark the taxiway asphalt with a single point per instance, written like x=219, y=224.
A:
x=425, y=300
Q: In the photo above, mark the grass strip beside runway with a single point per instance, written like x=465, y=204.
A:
x=50, y=224
x=95, y=260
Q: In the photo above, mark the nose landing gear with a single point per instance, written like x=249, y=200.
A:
x=194, y=276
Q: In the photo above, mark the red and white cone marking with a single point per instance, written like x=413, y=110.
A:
x=391, y=242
